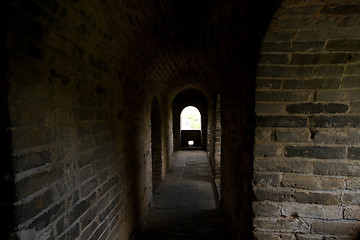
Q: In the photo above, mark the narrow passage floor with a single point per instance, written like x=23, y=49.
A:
x=184, y=205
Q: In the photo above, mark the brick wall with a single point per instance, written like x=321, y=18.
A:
x=306, y=168
x=81, y=152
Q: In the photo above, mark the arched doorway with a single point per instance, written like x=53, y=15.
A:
x=190, y=127
x=186, y=98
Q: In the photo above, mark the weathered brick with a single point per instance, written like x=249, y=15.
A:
x=106, y=212
x=47, y=217
x=342, y=168
x=350, y=82
x=331, y=96
x=317, y=83
x=29, y=209
x=273, y=59
x=35, y=182
x=311, y=211
x=354, y=153
x=273, y=235
x=30, y=161
x=272, y=194
x=280, y=36
x=266, y=209
x=305, y=108
x=263, y=134
x=296, y=11
x=292, y=135
x=317, y=197
x=312, y=182
x=353, y=183
x=285, y=224
x=283, y=165
x=327, y=136
x=297, y=46
x=329, y=71
x=327, y=33
x=264, y=83
x=349, y=95
x=268, y=150
x=88, y=216
x=352, y=213
x=335, y=108
x=335, y=121
x=343, y=45
x=291, y=23
x=310, y=237
x=320, y=152
x=354, y=107
x=350, y=22
x=282, y=96
x=60, y=225
x=281, y=121
x=89, y=186
x=351, y=198
x=267, y=179
x=109, y=184
x=335, y=228
x=72, y=233
x=269, y=108
x=315, y=58
x=284, y=71
x=353, y=95
x=342, y=9
x=353, y=69
x=99, y=231
x=80, y=208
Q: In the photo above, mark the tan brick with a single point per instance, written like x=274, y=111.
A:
x=311, y=211
x=312, y=182
x=352, y=212
x=335, y=228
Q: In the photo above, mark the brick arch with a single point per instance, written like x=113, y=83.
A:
x=307, y=135
x=190, y=97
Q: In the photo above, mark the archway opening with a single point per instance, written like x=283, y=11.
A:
x=190, y=126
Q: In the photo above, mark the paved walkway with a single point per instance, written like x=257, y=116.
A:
x=184, y=206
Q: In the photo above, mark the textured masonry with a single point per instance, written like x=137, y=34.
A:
x=89, y=92
x=306, y=168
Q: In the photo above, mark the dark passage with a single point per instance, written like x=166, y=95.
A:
x=184, y=206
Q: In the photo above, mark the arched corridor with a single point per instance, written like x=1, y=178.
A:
x=91, y=94
x=185, y=206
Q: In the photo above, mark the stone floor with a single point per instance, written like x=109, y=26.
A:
x=184, y=205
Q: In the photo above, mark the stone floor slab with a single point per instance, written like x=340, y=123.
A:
x=184, y=205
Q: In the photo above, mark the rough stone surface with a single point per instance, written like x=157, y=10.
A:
x=311, y=143
x=90, y=94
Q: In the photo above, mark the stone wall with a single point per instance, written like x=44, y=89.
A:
x=306, y=168
x=81, y=152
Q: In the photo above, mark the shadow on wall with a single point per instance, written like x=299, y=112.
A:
x=7, y=185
